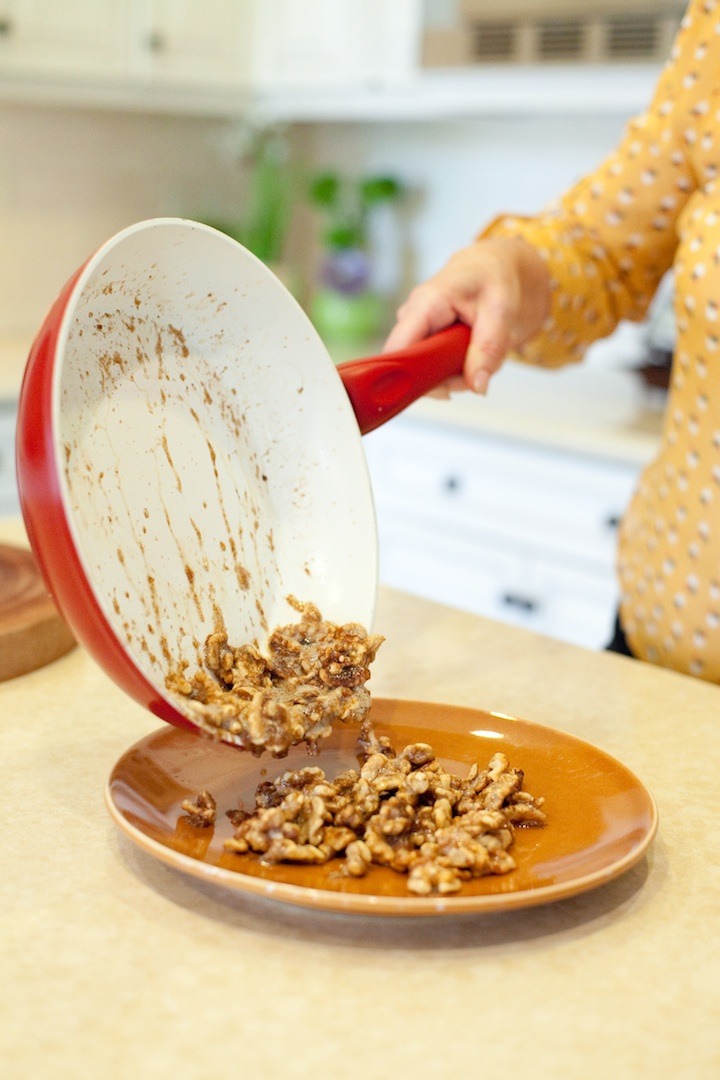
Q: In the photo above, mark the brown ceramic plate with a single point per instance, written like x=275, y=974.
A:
x=601, y=819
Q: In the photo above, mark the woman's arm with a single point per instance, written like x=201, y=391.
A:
x=500, y=287
x=546, y=287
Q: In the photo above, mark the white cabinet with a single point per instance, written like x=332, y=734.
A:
x=77, y=38
x=183, y=42
x=277, y=60
x=231, y=46
x=348, y=43
x=512, y=530
x=126, y=40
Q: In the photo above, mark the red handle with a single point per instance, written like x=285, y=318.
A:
x=379, y=387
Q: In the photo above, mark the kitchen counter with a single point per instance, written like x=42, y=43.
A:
x=115, y=965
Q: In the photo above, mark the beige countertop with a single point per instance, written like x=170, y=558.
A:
x=117, y=966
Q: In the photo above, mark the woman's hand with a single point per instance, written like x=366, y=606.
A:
x=500, y=287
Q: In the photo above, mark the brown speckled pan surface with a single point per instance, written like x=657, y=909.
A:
x=601, y=818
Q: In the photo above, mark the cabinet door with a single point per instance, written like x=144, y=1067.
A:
x=343, y=43
x=431, y=563
x=187, y=43
x=216, y=44
x=310, y=43
x=77, y=38
x=515, y=532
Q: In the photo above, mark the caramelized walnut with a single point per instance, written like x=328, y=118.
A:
x=403, y=811
x=313, y=675
x=201, y=812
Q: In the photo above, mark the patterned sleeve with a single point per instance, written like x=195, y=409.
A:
x=612, y=236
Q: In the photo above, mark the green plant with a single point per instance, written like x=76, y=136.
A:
x=347, y=204
x=268, y=200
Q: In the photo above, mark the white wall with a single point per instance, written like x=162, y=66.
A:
x=71, y=178
x=461, y=174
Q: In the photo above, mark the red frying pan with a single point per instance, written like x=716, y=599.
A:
x=379, y=387
x=187, y=450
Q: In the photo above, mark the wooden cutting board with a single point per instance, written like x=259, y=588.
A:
x=32, y=632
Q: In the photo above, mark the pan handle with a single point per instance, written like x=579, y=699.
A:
x=379, y=387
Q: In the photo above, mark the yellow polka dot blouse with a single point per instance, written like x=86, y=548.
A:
x=653, y=204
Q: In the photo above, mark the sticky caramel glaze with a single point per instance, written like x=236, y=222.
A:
x=312, y=675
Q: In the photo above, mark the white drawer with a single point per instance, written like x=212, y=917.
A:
x=530, y=496
x=572, y=605
x=514, y=531
x=490, y=581
x=428, y=563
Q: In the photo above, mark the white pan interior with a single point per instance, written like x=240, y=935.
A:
x=210, y=462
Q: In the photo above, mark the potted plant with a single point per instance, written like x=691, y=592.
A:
x=268, y=200
x=344, y=306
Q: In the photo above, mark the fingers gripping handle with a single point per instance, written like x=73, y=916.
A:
x=379, y=387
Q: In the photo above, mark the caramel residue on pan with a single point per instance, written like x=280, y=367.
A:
x=179, y=338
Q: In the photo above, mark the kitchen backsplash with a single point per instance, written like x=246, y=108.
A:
x=463, y=172
x=70, y=178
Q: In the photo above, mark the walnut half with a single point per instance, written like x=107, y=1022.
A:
x=404, y=811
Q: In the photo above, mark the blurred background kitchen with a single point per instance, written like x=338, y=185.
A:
x=353, y=145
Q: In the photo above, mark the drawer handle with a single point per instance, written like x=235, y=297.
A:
x=452, y=484
x=612, y=521
x=520, y=602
